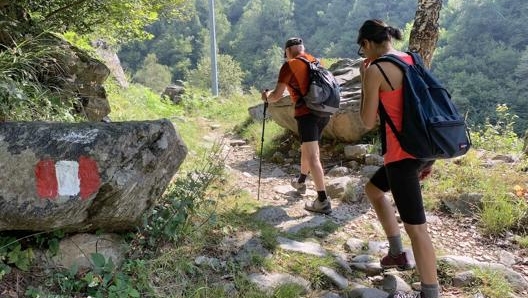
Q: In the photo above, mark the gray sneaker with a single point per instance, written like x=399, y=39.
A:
x=300, y=187
x=319, y=207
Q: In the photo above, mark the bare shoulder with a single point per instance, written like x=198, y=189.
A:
x=372, y=72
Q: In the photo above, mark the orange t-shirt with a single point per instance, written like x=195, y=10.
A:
x=294, y=73
x=393, y=103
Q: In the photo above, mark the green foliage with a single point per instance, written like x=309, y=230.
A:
x=230, y=75
x=523, y=241
x=19, y=257
x=253, y=33
x=104, y=280
x=80, y=41
x=153, y=75
x=455, y=178
x=498, y=136
x=49, y=241
x=117, y=19
x=273, y=135
x=478, y=53
x=138, y=103
x=289, y=291
x=232, y=110
x=304, y=265
x=490, y=283
x=29, y=72
x=501, y=212
x=170, y=218
x=12, y=253
x=18, y=251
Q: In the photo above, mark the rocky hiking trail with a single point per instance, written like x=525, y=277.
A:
x=358, y=240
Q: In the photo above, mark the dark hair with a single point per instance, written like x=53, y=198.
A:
x=377, y=31
x=293, y=42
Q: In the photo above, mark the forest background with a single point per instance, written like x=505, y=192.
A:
x=481, y=55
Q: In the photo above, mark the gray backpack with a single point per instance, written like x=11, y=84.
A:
x=323, y=96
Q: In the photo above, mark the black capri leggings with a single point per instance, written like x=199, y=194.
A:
x=402, y=179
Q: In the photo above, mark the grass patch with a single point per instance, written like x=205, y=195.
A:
x=490, y=283
x=502, y=212
x=522, y=241
x=138, y=103
x=306, y=266
x=273, y=136
x=231, y=111
x=504, y=205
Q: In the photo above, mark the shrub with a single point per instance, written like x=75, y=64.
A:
x=153, y=75
x=499, y=135
x=169, y=220
x=230, y=75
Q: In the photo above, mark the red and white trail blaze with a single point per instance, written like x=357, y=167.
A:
x=67, y=178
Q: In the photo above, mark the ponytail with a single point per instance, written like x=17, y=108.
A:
x=395, y=32
x=378, y=32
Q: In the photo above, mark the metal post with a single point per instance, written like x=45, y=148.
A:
x=214, y=67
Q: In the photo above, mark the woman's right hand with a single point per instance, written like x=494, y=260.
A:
x=264, y=95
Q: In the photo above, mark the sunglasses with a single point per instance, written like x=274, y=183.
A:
x=360, y=51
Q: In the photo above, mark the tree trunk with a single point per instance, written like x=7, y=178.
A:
x=424, y=33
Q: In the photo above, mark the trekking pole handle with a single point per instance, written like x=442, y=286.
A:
x=266, y=98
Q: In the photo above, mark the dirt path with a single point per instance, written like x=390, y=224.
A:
x=450, y=235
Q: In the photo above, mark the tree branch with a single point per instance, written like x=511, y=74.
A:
x=74, y=4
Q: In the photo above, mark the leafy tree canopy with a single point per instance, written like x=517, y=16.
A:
x=120, y=19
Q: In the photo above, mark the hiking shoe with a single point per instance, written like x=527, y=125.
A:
x=299, y=186
x=399, y=262
x=402, y=294
x=319, y=207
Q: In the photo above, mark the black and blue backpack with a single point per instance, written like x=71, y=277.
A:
x=432, y=128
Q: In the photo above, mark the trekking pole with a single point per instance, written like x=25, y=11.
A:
x=261, y=148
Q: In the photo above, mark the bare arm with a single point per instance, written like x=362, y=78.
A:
x=371, y=80
x=274, y=95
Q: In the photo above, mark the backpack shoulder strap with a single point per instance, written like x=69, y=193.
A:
x=384, y=116
x=302, y=59
x=384, y=75
x=416, y=58
x=392, y=59
x=309, y=64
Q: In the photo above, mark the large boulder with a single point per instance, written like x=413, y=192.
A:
x=346, y=124
x=84, y=176
x=111, y=60
x=83, y=77
x=174, y=92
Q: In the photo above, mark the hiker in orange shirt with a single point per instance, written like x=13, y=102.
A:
x=293, y=76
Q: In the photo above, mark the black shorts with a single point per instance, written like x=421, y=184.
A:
x=310, y=127
x=402, y=178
